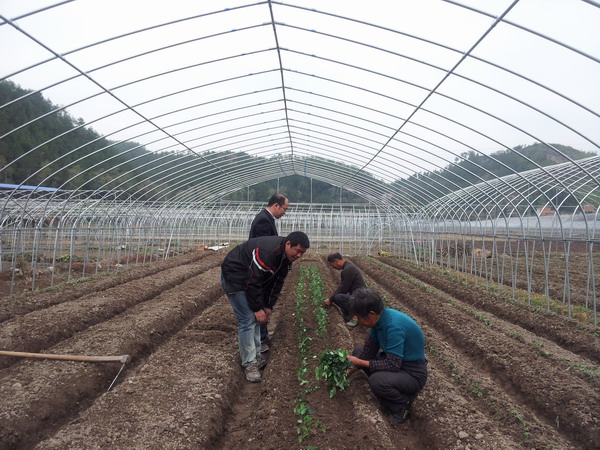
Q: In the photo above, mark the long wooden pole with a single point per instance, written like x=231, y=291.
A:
x=122, y=359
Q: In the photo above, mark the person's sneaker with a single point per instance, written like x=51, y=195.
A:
x=401, y=415
x=260, y=362
x=252, y=373
x=352, y=323
x=264, y=347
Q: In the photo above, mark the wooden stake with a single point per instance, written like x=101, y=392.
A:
x=122, y=359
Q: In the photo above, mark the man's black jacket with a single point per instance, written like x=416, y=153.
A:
x=259, y=267
x=263, y=225
x=352, y=279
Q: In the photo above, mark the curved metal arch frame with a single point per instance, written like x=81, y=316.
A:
x=308, y=132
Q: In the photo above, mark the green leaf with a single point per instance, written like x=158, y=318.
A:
x=333, y=368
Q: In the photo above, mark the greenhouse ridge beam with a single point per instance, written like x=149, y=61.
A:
x=283, y=86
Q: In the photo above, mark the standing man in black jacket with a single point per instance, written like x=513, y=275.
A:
x=264, y=225
x=351, y=280
x=252, y=276
x=264, y=222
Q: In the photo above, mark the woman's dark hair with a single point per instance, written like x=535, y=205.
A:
x=365, y=300
x=298, y=238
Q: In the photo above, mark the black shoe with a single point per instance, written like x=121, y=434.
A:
x=260, y=362
x=401, y=415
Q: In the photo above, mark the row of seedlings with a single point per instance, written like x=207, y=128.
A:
x=333, y=364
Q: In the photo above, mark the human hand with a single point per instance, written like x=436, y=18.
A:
x=268, y=312
x=357, y=362
x=353, y=359
x=327, y=302
x=260, y=315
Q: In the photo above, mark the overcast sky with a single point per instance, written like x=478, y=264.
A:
x=381, y=76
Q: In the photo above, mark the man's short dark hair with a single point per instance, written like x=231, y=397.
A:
x=298, y=238
x=278, y=199
x=334, y=257
x=365, y=300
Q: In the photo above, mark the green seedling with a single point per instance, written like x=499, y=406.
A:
x=333, y=367
x=476, y=389
x=583, y=368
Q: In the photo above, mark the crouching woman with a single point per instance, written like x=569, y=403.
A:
x=393, y=355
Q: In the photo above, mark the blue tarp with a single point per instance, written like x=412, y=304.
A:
x=29, y=188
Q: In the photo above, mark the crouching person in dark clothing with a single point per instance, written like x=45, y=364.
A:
x=351, y=280
x=393, y=356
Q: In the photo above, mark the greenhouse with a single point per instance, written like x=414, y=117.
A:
x=447, y=149
x=411, y=112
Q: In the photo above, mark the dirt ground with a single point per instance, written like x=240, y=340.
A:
x=501, y=374
x=543, y=268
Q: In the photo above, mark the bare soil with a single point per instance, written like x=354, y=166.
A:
x=540, y=267
x=502, y=375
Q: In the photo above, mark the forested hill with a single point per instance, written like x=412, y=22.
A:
x=94, y=162
x=472, y=167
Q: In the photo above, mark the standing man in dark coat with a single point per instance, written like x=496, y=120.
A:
x=252, y=276
x=264, y=222
x=351, y=280
x=264, y=225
